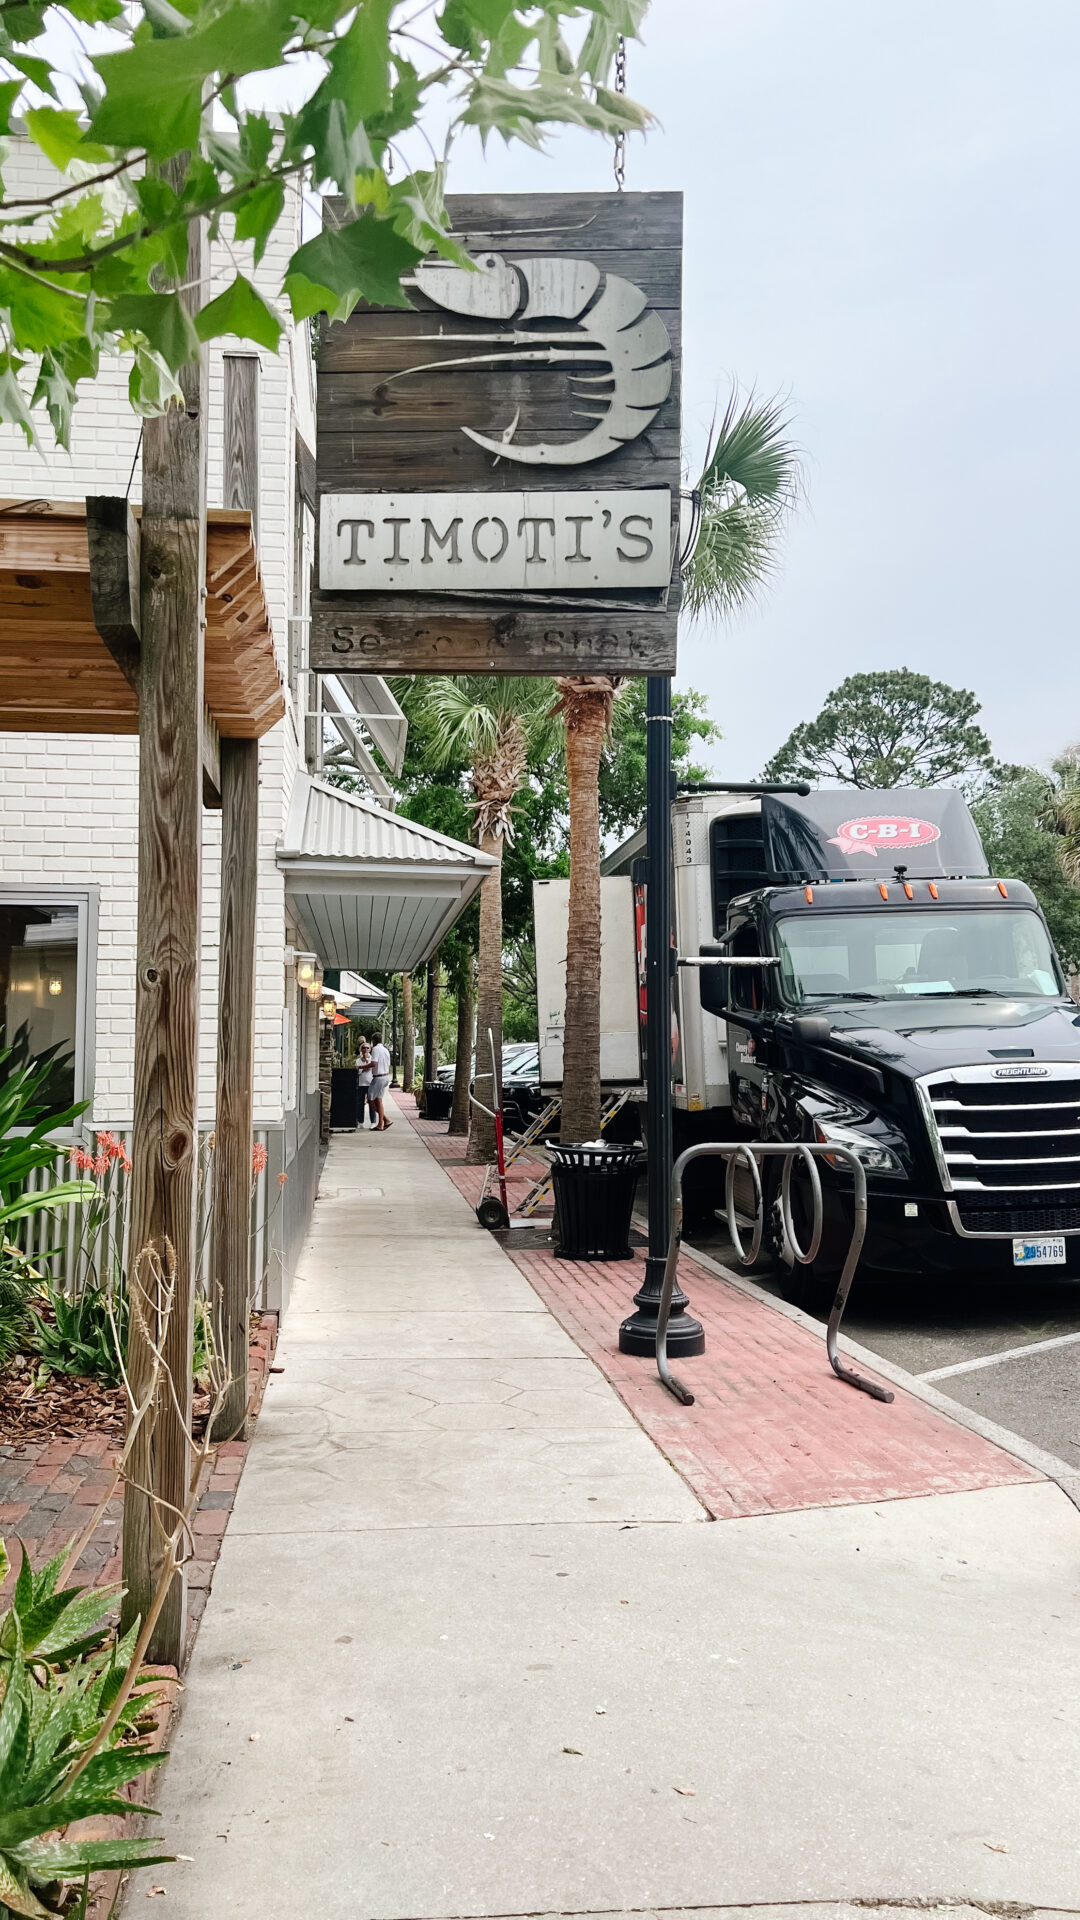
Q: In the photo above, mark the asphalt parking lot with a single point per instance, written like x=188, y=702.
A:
x=990, y=1330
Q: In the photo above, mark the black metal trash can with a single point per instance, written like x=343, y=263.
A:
x=594, y=1200
x=438, y=1100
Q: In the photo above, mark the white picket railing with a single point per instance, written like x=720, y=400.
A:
x=58, y=1243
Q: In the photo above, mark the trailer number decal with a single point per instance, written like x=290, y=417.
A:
x=890, y=830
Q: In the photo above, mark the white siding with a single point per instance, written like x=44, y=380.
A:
x=68, y=803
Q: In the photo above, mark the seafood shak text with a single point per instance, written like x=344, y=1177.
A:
x=494, y=543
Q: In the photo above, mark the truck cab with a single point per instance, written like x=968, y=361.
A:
x=888, y=994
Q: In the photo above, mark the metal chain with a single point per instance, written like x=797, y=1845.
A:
x=620, y=137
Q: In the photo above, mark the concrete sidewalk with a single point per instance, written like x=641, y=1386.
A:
x=474, y=1647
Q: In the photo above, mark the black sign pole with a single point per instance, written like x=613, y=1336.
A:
x=638, y=1334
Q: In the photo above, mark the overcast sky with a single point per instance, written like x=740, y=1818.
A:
x=881, y=220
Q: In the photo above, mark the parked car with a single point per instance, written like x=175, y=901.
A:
x=522, y=1098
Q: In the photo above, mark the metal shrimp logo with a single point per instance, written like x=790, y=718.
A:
x=614, y=331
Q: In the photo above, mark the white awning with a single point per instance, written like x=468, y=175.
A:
x=373, y=891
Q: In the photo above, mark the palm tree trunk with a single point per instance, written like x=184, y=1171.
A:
x=488, y=1003
x=408, y=1040
x=466, y=1009
x=581, y=1039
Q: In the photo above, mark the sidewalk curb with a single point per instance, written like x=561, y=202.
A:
x=1063, y=1475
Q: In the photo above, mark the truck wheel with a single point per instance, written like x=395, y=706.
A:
x=811, y=1288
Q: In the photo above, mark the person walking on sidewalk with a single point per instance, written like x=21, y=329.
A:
x=380, y=1070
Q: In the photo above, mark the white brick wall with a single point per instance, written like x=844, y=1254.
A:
x=68, y=803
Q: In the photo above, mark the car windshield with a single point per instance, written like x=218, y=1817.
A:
x=888, y=956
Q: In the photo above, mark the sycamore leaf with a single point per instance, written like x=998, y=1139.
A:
x=242, y=311
x=258, y=213
x=54, y=387
x=153, y=90
x=362, y=261
x=58, y=133
x=151, y=385
x=9, y=93
x=164, y=322
x=41, y=315
x=24, y=23
x=13, y=407
x=94, y=12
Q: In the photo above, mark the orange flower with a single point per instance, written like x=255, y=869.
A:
x=259, y=1158
x=110, y=1146
x=282, y=1179
x=82, y=1161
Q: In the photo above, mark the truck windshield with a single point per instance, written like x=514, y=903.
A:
x=885, y=956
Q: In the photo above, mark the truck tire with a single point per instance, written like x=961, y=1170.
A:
x=811, y=1287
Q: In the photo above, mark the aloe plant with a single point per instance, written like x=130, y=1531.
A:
x=61, y=1671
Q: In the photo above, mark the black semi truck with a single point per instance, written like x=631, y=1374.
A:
x=900, y=1001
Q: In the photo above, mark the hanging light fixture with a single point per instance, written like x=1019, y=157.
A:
x=56, y=985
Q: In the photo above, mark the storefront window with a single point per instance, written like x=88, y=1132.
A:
x=43, y=969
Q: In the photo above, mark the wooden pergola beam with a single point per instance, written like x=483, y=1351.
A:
x=112, y=537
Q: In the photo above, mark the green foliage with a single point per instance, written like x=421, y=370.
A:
x=81, y=1335
x=1014, y=815
x=622, y=769
x=61, y=1672
x=18, y=1281
x=83, y=265
x=750, y=484
x=28, y=1117
x=892, y=729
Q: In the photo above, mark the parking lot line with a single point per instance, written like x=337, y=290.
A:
x=995, y=1359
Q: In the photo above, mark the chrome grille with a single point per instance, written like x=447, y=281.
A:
x=1003, y=1131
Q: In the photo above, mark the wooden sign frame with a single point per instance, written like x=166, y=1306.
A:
x=406, y=396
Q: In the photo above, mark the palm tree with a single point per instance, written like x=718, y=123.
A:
x=585, y=706
x=750, y=482
x=500, y=725
x=1061, y=812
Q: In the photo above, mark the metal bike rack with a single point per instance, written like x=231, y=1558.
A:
x=735, y=1152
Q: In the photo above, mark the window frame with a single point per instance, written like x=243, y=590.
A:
x=86, y=899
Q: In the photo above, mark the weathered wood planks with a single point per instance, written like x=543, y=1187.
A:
x=392, y=406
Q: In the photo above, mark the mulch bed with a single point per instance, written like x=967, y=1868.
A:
x=65, y=1408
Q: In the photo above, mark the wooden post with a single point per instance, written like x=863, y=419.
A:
x=231, y=1241
x=231, y=1244
x=164, y=1143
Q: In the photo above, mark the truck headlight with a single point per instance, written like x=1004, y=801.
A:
x=875, y=1157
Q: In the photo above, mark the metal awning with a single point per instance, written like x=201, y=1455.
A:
x=372, y=890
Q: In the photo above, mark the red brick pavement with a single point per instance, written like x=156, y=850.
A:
x=46, y=1489
x=772, y=1429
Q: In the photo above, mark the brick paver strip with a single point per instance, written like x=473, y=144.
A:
x=772, y=1430
x=47, y=1489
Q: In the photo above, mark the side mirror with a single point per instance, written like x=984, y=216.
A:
x=812, y=1029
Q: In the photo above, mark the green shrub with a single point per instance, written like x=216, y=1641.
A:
x=18, y=1282
x=80, y=1337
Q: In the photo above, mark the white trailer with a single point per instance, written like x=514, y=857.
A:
x=620, y=1027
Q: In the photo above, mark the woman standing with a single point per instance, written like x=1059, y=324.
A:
x=364, y=1072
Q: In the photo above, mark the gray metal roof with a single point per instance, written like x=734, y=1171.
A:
x=373, y=890
x=325, y=823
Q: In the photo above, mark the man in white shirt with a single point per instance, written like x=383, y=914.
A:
x=380, y=1080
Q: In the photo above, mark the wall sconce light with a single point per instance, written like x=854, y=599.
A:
x=329, y=1006
x=308, y=971
x=56, y=985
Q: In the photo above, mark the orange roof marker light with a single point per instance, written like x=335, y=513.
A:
x=1003, y=890
x=933, y=890
x=883, y=890
x=909, y=889
x=809, y=891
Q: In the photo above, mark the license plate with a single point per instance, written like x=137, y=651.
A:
x=1045, y=1252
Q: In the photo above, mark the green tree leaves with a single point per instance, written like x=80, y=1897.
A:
x=893, y=729
x=240, y=310
x=365, y=260
x=84, y=263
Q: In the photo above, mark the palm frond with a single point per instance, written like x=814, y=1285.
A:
x=751, y=481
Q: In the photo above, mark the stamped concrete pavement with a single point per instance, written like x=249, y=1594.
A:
x=473, y=1647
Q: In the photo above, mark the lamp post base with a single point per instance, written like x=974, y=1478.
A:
x=685, y=1335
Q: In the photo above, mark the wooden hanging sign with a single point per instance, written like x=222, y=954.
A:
x=498, y=465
